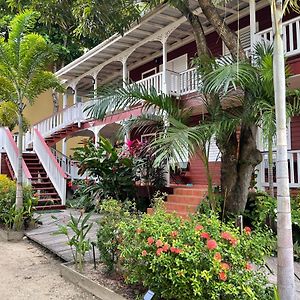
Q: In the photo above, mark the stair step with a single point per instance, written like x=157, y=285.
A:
x=184, y=200
x=36, y=188
x=191, y=191
x=49, y=201
x=50, y=207
x=180, y=208
x=48, y=194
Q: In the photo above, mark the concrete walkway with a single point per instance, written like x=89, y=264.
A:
x=57, y=244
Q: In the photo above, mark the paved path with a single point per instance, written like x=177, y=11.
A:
x=57, y=244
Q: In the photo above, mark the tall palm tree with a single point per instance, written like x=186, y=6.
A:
x=24, y=61
x=285, y=277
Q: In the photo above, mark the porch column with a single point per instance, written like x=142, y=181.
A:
x=95, y=85
x=96, y=131
x=65, y=100
x=164, y=65
x=125, y=72
x=75, y=96
x=252, y=8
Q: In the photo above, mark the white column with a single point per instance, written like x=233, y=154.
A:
x=125, y=72
x=164, y=66
x=95, y=85
x=65, y=100
x=252, y=8
x=75, y=96
x=64, y=146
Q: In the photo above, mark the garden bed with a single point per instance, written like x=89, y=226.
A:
x=99, y=283
x=8, y=235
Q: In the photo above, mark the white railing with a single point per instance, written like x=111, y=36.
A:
x=69, y=166
x=294, y=169
x=291, y=36
x=154, y=81
x=189, y=81
x=56, y=122
x=9, y=146
x=54, y=171
x=173, y=83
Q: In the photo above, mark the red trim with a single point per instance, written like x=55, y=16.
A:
x=114, y=118
x=11, y=139
x=47, y=149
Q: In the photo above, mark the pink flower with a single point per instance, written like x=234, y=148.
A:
x=225, y=266
x=218, y=256
x=129, y=143
x=247, y=230
x=233, y=242
x=144, y=253
x=248, y=266
x=211, y=244
x=174, y=234
x=222, y=276
x=175, y=250
x=150, y=240
x=139, y=230
x=159, y=251
x=198, y=227
x=226, y=236
x=205, y=235
x=158, y=243
x=166, y=247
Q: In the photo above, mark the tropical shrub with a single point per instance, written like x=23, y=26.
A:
x=108, y=239
x=10, y=217
x=112, y=173
x=200, y=258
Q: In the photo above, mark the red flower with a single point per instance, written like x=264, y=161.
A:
x=158, y=243
x=233, y=242
x=175, y=250
x=205, y=235
x=144, y=253
x=70, y=184
x=198, y=227
x=222, y=276
x=248, y=266
x=159, y=251
x=225, y=266
x=218, y=256
x=150, y=240
x=139, y=230
x=247, y=230
x=226, y=236
x=129, y=143
x=211, y=244
x=166, y=247
x=174, y=234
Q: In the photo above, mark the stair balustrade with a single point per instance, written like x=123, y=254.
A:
x=9, y=146
x=54, y=171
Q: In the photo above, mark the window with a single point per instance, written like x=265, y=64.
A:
x=178, y=64
x=148, y=73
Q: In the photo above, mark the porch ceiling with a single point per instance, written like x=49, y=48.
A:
x=139, y=43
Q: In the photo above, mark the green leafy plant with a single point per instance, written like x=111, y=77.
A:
x=112, y=172
x=77, y=238
x=10, y=216
x=108, y=239
x=199, y=258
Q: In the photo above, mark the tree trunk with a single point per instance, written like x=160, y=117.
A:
x=19, y=191
x=228, y=36
x=270, y=165
x=238, y=163
x=195, y=22
x=285, y=266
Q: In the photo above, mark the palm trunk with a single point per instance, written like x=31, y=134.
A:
x=19, y=191
x=285, y=266
x=270, y=166
x=238, y=163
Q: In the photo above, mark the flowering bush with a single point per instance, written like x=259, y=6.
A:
x=200, y=258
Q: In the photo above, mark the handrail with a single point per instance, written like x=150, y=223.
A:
x=11, y=149
x=55, y=172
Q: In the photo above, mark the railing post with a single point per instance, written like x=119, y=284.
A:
x=252, y=24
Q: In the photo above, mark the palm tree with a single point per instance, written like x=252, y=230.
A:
x=285, y=274
x=24, y=61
